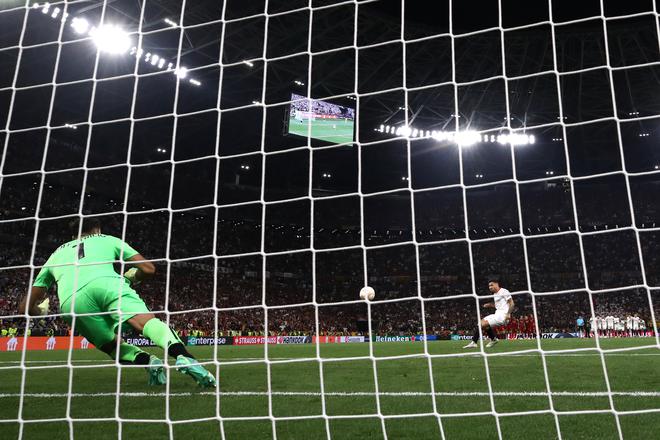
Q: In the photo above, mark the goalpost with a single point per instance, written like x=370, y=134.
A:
x=250, y=231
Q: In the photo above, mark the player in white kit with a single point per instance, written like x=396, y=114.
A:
x=503, y=305
x=609, y=321
x=596, y=326
x=642, y=327
x=601, y=326
x=629, y=326
x=619, y=327
x=636, y=325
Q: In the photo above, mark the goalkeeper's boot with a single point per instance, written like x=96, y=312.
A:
x=156, y=372
x=492, y=343
x=192, y=368
x=472, y=344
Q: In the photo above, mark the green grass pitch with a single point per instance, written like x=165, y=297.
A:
x=337, y=131
x=460, y=384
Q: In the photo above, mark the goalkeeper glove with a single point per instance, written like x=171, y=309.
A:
x=43, y=307
x=131, y=275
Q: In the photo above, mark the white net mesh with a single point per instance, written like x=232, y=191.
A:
x=272, y=158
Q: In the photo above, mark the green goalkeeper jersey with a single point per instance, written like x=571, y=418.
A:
x=74, y=264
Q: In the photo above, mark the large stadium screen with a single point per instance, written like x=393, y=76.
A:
x=321, y=119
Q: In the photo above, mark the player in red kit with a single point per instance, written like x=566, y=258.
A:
x=531, y=326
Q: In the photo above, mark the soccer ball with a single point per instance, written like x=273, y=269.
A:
x=367, y=293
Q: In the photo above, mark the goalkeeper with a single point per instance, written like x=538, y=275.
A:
x=88, y=285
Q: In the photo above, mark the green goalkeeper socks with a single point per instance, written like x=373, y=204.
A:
x=165, y=338
x=128, y=353
x=160, y=333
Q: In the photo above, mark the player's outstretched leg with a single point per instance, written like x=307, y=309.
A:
x=131, y=355
x=156, y=330
x=486, y=328
x=492, y=336
x=475, y=339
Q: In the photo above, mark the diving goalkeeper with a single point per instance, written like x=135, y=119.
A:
x=99, y=300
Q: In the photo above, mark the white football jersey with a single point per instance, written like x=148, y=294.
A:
x=500, y=298
x=610, y=321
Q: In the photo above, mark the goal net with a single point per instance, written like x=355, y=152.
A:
x=272, y=158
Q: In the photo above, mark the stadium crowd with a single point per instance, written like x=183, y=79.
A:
x=202, y=295
x=321, y=108
x=236, y=307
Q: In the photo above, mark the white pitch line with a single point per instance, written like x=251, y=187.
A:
x=585, y=354
x=239, y=360
x=349, y=394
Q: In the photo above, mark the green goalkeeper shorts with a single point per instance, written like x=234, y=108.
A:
x=106, y=294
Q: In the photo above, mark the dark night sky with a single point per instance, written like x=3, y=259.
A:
x=205, y=138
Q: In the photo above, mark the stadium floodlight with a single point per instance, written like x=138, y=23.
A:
x=80, y=25
x=170, y=22
x=111, y=39
x=513, y=139
x=249, y=63
x=195, y=82
x=467, y=138
x=73, y=127
x=181, y=72
x=404, y=131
